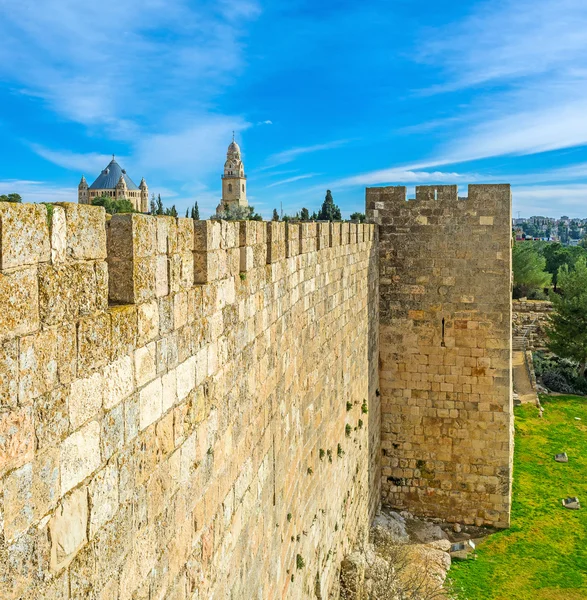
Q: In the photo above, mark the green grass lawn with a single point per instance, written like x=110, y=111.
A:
x=543, y=555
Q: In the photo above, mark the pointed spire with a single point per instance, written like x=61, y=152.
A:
x=233, y=135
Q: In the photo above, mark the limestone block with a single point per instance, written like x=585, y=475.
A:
x=131, y=417
x=169, y=382
x=186, y=377
x=58, y=235
x=103, y=496
x=335, y=234
x=9, y=369
x=229, y=234
x=207, y=235
x=46, y=489
x=323, y=237
x=51, y=418
x=180, y=309
x=166, y=235
x=24, y=235
x=186, y=272
x=145, y=359
x=162, y=276
x=18, y=502
x=112, y=431
x=69, y=291
x=275, y=242
x=150, y=403
x=292, y=239
x=79, y=455
x=132, y=281
x=118, y=381
x=37, y=364
x=185, y=235
x=93, y=343
x=17, y=438
x=344, y=234
x=148, y=320
x=86, y=231
x=68, y=528
x=85, y=399
x=66, y=353
x=206, y=266
x=19, y=303
x=124, y=330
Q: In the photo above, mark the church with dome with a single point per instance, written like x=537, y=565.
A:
x=113, y=181
x=234, y=180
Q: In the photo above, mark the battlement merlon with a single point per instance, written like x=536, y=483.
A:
x=493, y=199
x=62, y=261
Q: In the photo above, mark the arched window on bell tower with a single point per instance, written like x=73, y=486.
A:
x=230, y=187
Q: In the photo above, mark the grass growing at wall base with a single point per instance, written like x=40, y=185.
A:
x=543, y=556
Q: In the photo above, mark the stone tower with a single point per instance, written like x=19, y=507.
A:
x=121, y=189
x=82, y=191
x=234, y=180
x=445, y=351
x=144, y=195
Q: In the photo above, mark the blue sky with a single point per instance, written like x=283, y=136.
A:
x=331, y=94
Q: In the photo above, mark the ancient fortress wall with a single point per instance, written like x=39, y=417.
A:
x=190, y=409
x=445, y=350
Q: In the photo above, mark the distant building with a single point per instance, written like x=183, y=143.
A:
x=114, y=182
x=234, y=180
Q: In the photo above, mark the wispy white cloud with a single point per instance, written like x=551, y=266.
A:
x=550, y=200
x=403, y=175
x=90, y=163
x=290, y=155
x=38, y=191
x=533, y=55
x=291, y=180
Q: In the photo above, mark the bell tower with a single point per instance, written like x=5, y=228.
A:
x=234, y=180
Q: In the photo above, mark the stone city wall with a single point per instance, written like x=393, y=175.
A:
x=189, y=409
x=529, y=319
x=445, y=350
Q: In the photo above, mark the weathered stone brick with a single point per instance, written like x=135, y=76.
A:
x=150, y=403
x=18, y=502
x=85, y=399
x=9, y=369
x=86, y=231
x=79, y=455
x=118, y=381
x=68, y=529
x=24, y=235
x=103, y=496
x=17, y=438
x=19, y=303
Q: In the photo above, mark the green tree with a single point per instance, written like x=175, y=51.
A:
x=567, y=331
x=195, y=212
x=237, y=213
x=114, y=206
x=304, y=214
x=153, y=206
x=11, y=198
x=159, y=210
x=170, y=212
x=574, y=232
x=329, y=210
x=358, y=216
x=529, y=269
x=275, y=216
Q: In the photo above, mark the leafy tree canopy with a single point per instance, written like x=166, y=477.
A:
x=275, y=216
x=304, y=214
x=237, y=213
x=114, y=206
x=567, y=332
x=358, y=216
x=10, y=198
x=329, y=210
x=529, y=269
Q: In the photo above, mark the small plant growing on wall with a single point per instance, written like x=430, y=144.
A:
x=322, y=453
x=310, y=470
x=360, y=424
x=300, y=562
x=288, y=517
x=339, y=451
x=243, y=276
x=329, y=452
x=349, y=405
x=364, y=408
x=347, y=430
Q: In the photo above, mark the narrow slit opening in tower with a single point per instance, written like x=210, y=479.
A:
x=436, y=198
x=442, y=342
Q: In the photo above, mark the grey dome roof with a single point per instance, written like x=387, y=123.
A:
x=110, y=176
